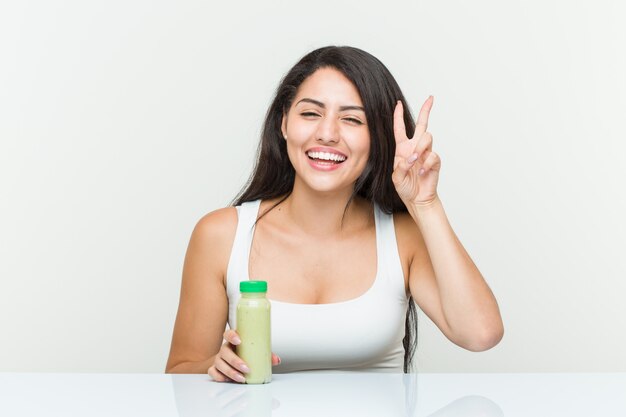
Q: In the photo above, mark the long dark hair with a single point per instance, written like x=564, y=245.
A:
x=273, y=175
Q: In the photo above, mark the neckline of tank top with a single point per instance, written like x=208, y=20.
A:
x=367, y=293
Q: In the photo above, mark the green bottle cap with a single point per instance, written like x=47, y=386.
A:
x=253, y=286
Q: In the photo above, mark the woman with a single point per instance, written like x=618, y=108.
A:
x=341, y=217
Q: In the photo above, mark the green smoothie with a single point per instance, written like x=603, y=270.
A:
x=253, y=327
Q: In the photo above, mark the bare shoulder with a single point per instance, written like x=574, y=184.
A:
x=407, y=232
x=411, y=246
x=219, y=224
x=213, y=236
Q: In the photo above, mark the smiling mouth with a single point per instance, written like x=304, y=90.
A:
x=326, y=158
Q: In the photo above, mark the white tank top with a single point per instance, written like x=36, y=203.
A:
x=364, y=333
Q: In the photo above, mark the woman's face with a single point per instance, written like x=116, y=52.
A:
x=327, y=136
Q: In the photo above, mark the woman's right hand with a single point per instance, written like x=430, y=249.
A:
x=227, y=366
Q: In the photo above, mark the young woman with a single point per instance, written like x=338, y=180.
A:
x=341, y=217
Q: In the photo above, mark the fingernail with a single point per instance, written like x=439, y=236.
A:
x=279, y=359
x=412, y=158
x=421, y=171
x=244, y=368
x=236, y=340
x=240, y=378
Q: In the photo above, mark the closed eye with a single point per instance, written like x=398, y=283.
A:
x=348, y=119
x=353, y=120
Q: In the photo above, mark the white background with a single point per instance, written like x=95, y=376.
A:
x=123, y=122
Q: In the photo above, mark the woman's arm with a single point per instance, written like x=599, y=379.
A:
x=447, y=285
x=442, y=277
x=203, y=309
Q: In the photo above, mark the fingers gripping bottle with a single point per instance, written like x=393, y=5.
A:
x=253, y=327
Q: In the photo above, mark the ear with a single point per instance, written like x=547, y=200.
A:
x=283, y=126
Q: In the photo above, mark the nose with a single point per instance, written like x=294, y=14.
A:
x=327, y=131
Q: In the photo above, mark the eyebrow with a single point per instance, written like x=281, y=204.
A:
x=322, y=105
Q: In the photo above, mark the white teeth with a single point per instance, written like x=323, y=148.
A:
x=327, y=156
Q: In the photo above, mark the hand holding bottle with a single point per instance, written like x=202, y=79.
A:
x=227, y=366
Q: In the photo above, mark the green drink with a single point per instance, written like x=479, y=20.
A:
x=253, y=327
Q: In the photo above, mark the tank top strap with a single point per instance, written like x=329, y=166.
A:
x=239, y=256
x=389, y=261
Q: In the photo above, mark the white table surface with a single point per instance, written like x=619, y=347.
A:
x=314, y=394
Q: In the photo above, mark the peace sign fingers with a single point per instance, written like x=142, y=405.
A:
x=399, y=129
x=422, y=120
x=416, y=166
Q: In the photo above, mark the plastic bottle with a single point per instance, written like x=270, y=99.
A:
x=253, y=327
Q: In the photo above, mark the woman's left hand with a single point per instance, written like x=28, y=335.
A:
x=415, y=165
